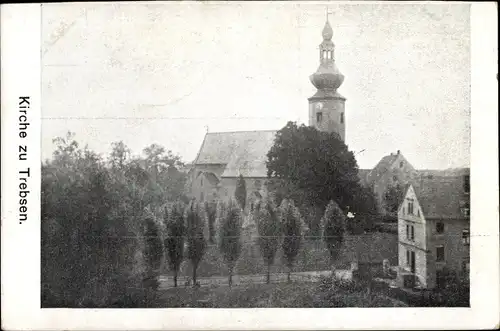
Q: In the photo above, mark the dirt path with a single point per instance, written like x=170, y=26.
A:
x=166, y=281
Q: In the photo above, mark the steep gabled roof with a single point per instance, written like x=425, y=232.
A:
x=442, y=196
x=242, y=152
x=249, y=158
x=382, y=166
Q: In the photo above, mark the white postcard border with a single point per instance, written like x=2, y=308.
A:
x=21, y=46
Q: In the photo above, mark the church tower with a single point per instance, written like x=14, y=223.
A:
x=327, y=106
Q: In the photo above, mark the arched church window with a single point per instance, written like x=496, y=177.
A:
x=341, y=117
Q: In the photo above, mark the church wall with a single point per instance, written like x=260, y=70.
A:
x=228, y=187
x=195, y=187
x=203, y=190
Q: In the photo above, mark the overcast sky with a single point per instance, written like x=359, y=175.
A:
x=162, y=73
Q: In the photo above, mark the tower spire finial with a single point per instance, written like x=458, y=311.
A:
x=327, y=13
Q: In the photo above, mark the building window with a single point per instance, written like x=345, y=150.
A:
x=201, y=181
x=407, y=257
x=324, y=54
x=201, y=196
x=410, y=207
x=401, y=164
x=439, y=227
x=418, y=212
x=319, y=117
x=466, y=237
x=467, y=183
x=410, y=232
x=439, y=253
x=341, y=117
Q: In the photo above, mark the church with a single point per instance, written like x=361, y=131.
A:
x=224, y=156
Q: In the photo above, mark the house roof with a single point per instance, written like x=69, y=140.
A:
x=444, y=172
x=363, y=175
x=441, y=196
x=243, y=152
x=382, y=166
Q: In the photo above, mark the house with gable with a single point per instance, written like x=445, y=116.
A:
x=434, y=230
x=391, y=170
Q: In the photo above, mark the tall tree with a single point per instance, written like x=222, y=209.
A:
x=333, y=229
x=266, y=217
x=166, y=181
x=196, y=243
x=211, y=211
x=153, y=255
x=119, y=156
x=241, y=192
x=230, y=236
x=85, y=215
x=330, y=173
x=291, y=228
x=175, y=235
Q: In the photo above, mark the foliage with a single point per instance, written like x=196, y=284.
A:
x=196, y=243
x=211, y=211
x=333, y=229
x=328, y=293
x=175, y=235
x=153, y=255
x=230, y=236
x=266, y=217
x=393, y=197
x=331, y=171
x=240, y=193
x=291, y=230
x=92, y=211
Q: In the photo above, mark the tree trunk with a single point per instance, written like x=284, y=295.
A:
x=175, y=278
x=195, y=266
x=230, y=277
x=289, y=275
x=268, y=276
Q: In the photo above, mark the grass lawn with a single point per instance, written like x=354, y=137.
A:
x=283, y=295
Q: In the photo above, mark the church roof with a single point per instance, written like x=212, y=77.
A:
x=243, y=152
x=441, y=196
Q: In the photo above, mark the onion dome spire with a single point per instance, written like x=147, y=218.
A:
x=327, y=79
x=327, y=31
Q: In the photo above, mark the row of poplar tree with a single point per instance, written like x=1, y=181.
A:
x=186, y=230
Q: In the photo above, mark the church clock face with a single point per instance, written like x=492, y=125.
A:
x=318, y=106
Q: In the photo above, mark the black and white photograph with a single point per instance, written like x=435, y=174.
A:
x=254, y=155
